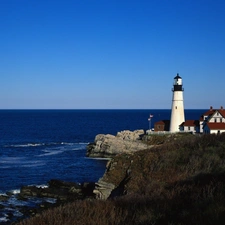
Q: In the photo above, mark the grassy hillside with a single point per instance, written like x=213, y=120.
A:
x=182, y=181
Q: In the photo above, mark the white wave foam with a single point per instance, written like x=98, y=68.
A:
x=26, y=145
x=77, y=148
x=50, y=152
x=103, y=159
x=12, y=192
x=42, y=186
x=13, y=201
x=30, y=164
x=71, y=144
x=16, y=191
x=50, y=200
x=17, y=213
x=4, y=219
x=9, y=162
x=66, y=143
x=43, y=144
x=60, y=149
x=3, y=194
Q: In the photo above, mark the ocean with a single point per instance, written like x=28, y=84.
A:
x=39, y=145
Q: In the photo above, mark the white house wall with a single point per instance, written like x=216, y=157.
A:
x=216, y=131
x=216, y=118
x=187, y=128
x=208, y=131
x=201, y=126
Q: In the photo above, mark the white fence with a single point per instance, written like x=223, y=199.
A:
x=151, y=132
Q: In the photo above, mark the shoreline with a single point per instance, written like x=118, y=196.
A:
x=31, y=200
x=36, y=198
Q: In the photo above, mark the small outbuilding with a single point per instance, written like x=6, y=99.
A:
x=162, y=125
x=190, y=126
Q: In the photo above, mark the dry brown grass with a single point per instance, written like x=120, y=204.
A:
x=182, y=182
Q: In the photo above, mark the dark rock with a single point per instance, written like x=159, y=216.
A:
x=88, y=188
x=29, y=191
x=4, y=197
x=61, y=190
x=63, y=184
x=46, y=205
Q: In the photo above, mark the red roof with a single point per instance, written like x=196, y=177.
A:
x=160, y=122
x=211, y=112
x=190, y=123
x=207, y=113
x=216, y=126
x=222, y=112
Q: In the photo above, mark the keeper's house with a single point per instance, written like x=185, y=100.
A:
x=213, y=121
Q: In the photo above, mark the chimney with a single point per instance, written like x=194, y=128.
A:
x=211, y=108
x=221, y=107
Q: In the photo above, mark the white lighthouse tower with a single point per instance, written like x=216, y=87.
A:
x=177, y=110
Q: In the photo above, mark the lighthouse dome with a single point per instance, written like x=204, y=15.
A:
x=177, y=80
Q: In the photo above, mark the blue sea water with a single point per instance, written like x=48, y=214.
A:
x=39, y=145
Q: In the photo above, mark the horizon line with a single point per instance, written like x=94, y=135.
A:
x=98, y=109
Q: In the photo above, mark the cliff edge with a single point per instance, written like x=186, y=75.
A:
x=107, y=145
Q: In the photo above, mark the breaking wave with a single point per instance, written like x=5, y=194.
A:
x=44, y=144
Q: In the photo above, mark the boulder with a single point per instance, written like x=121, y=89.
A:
x=4, y=198
x=103, y=189
x=131, y=135
x=109, y=145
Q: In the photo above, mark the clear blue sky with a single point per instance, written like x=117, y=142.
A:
x=111, y=54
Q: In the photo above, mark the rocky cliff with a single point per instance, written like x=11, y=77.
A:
x=123, y=142
x=125, y=172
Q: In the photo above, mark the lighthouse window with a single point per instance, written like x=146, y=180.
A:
x=176, y=107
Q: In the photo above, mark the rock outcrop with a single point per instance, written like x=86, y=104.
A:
x=124, y=142
x=103, y=189
x=60, y=190
x=116, y=176
x=35, y=199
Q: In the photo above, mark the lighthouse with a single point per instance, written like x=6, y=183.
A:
x=177, y=110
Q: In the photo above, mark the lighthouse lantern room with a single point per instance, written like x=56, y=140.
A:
x=177, y=109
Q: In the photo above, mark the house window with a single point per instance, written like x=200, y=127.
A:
x=217, y=114
x=189, y=128
x=221, y=120
x=215, y=120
